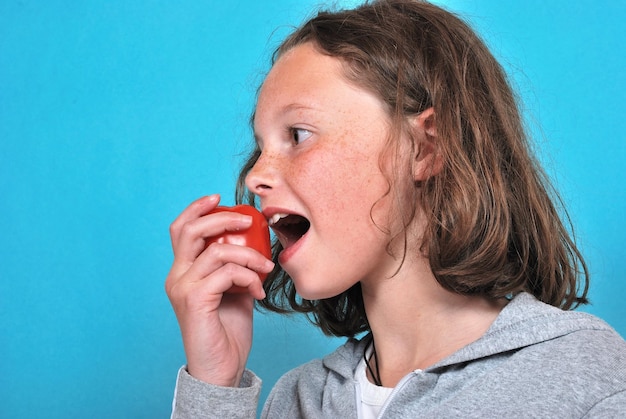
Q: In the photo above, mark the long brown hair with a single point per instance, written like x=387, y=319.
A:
x=493, y=228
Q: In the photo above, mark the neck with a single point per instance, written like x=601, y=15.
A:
x=416, y=323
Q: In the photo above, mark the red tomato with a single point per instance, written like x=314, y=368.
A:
x=256, y=237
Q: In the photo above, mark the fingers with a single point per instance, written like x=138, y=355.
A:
x=220, y=265
x=225, y=265
x=205, y=295
x=191, y=229
x=195, y=210
x=219, y=268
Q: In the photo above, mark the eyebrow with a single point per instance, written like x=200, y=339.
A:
x=297, y=107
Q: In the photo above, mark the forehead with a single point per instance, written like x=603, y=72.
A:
x=302, y=69
x=306, y=85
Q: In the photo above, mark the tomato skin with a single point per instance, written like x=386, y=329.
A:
x=256, y=237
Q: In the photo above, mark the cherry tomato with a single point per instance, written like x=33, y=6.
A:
x=256, y=237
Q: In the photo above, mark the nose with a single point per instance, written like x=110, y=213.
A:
x=262, y=176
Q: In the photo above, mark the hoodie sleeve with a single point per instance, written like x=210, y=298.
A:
x=196, y=399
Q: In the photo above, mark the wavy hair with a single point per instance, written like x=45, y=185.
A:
x=493, y=226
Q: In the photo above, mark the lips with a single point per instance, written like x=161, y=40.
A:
x=289, y=228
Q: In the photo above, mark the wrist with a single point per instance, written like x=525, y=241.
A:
x=215, y=378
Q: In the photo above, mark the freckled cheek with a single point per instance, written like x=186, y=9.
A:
x=336, y=193
x=312, y=175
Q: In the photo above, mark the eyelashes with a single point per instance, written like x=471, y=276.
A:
x=299, y=135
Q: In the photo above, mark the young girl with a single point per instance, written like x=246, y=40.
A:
x=392, y=165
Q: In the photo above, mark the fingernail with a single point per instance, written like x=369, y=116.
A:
x=263, y=295
x=243, y=222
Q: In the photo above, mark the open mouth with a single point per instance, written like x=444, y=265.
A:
x=289, y=228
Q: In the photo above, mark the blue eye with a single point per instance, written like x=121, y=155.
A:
x=300, y=134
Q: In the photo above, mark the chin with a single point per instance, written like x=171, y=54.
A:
x=316, y=293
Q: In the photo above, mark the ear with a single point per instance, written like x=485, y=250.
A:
x=428, y=161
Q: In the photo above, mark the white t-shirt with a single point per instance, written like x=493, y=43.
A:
x=372, y=396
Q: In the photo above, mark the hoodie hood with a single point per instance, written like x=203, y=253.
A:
x=523, y=322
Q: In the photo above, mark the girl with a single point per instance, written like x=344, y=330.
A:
x=392, y=165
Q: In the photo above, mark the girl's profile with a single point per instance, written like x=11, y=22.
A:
x=411, y=217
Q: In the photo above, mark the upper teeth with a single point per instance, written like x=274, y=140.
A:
x=274, y=219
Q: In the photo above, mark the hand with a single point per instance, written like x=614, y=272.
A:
x=216, y=327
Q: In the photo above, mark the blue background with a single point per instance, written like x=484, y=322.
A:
x=115, y=115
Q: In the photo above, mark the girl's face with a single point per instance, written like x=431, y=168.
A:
x=319, y=178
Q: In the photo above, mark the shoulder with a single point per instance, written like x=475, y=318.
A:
x=525, y=321
x=595, y=353
x=341, y=362
x=306, y=388
x=572, y=357
x=584, y=369
x=560, y=343
x=565, y=363
x=572, y=337
x=613, y=406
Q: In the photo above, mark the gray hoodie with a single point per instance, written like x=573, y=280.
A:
x=534, y=361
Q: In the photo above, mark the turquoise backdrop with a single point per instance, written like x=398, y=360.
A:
x=114, y=115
